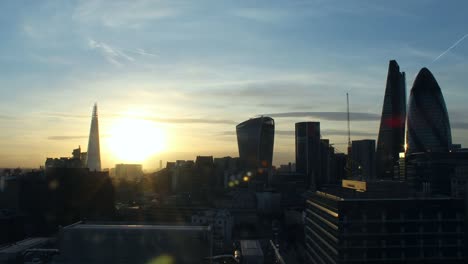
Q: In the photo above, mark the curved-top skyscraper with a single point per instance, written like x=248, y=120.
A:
x=428, y=121
x=391, y=140
x=255, y=138
x=93, y=161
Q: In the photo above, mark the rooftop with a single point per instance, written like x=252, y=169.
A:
x=23, y=245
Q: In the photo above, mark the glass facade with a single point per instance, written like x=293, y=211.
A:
x=255, y=139
x=392, y=124
x=94, y=153
x=428, y=121
x=308, y=158
x=379, y=230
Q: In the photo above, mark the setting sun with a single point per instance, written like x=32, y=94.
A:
x=135, y=140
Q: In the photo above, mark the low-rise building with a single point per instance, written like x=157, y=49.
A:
x=222, y=223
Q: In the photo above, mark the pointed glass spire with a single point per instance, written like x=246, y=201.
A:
x=94, y=153
x=391, y=138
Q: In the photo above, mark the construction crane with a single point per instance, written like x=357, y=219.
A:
x=349, y=170
x=349, y=127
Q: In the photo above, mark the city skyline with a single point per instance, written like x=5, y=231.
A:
x=242, y=61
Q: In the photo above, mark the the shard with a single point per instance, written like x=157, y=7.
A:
x=428, y=121
x=391, y=138
x=94, y=153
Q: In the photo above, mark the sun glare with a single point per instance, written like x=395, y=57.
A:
x=135, y=140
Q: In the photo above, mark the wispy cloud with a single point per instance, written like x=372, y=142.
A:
x=261, y=14
x=73, y=137
x=336, y=132
x=459, y=125
x=150, y=118
x=123, y=14
x=66, y=137
x=325, y=133
x=142, y=52
x=191, y=120
x=113, y=55
x=7, y=117
x=65, y=115
x=118, y=56
x=333, y=116
x=450, y=48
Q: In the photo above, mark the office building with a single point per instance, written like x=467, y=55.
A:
x=308, y=146
x=135, y=243
x=255, y=139
x=339, y=168
x=392, y=124
x=128, y=171
x=94, y=152
x=326, y=156
x=363, y=159
x=428, y=121
x=378, y=223
x=430, y=172
x=222, y=224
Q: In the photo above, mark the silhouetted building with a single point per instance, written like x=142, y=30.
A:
x=182, y=176
x=204, y=174
x=327, y=158
x=339, y=167
x=392, y=124
x=222, y=223
x=428, y=121
x=308, y=158
x=61, y=196
x=128, y=171
x=431, y=172
x=383, y=226
x=30, y=250
x=227, y=170
x=363, y=156
x=75, y=161
x=162, y=181
x=255, y=139
x=135, y=243
x=459, y=182
x=94, y=152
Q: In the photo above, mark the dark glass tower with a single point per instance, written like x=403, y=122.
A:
x=308, y=150
x=255, y=138
x=94, y=153
x=428, y=121
x=391, y=138
x=363, y=156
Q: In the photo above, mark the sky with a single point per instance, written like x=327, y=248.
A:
x=194, y=69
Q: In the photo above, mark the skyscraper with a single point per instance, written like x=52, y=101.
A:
x=255, y=138
x=363, y=156
x=392, y=124
x=428, y=121
x=308, y=146
x=94, y=154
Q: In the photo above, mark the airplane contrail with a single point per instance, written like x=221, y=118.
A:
x=451, y=47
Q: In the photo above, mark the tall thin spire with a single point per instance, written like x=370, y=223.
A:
x=94, y=153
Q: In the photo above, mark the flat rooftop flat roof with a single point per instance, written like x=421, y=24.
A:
x=251, y=248
x=137, y=227
x=23, y=245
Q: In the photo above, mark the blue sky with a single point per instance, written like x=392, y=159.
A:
x=196, y=68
